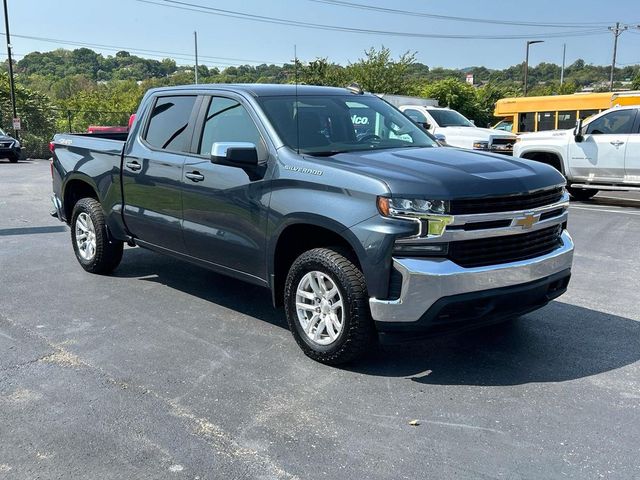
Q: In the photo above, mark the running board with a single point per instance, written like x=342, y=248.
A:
x=618, y=188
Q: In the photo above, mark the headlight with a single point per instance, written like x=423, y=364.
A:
x=480, y=145
x=16, y=144
x=430, y=214
x=392, y=207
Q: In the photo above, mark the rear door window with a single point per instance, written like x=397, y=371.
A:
x=169, y=122
x=416, y=115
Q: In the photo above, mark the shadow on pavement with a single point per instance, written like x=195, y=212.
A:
x=215, y=288
x=557, y=343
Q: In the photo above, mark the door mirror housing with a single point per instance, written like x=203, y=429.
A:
x=441, y=139
x=239, y=154
x=577, y=131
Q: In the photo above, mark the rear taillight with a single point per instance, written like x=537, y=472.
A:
x=52, y=147
x=132, y=119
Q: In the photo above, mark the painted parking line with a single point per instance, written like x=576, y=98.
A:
x=32, y=230
x=595, y=208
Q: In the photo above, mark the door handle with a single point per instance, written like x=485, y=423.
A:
x=617, y=143
x=135, y=166
x=194, y=176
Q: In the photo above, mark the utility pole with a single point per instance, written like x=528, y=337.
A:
x=617, y=31
x=195, y=39
x=11, y=84
x=564, y=54
x=526, y=63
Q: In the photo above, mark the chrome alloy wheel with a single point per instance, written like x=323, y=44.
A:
x=85, y=236
x=320, y=308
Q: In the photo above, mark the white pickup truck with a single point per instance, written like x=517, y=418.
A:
x=458, y=131
x=601, y=154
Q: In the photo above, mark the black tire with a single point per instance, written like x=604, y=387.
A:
x=13, y=159
x=581, y=194
x=108, y=253
x=358, y=333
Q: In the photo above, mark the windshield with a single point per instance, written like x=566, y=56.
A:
x=2, y=132
x=449, y=118
x=330, y=124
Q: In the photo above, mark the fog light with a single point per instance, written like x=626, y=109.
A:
x=420, y=249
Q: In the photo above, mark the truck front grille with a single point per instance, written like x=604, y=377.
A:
x=507, y=204
x=6, y=144
x=505, y=249
x=502, y=145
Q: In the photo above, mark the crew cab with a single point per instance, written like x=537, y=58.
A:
x=354, y=233
x=458, y=131
x=603, y=153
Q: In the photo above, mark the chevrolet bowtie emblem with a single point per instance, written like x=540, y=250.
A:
x=526, y=222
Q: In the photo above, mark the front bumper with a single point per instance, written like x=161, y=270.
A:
x=427, y=283
x=6, y=152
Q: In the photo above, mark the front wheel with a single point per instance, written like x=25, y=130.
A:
x=581, y=193
x=326, y=303
x=13, y=159
x=91, y=244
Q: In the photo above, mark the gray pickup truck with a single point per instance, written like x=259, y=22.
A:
x=352, y=215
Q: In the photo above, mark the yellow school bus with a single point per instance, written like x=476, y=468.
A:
x=533, y=114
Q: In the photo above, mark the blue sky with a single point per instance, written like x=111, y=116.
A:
x=130, y=23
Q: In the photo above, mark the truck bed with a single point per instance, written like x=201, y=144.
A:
x=95, y=159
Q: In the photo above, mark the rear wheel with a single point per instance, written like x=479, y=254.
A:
x=91, y=244
x=326, y=303
x=581, y=193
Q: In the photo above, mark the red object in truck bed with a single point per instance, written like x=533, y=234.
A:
x=102, y=129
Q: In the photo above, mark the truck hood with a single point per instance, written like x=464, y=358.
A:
x=545, y=135
x=6, y=138
x=448, y=173
x=474, y=133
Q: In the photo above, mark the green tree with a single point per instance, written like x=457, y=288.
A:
x=379, y=73
x=456, y=95
x=36, y=112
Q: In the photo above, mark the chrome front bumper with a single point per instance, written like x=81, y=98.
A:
x=425, y=281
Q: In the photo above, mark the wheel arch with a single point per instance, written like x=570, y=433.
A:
x=546, y=156
x=75, y=188
x=300, y=234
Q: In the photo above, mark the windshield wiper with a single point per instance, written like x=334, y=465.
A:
x=328, y=153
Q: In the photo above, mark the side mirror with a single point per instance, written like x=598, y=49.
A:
x=442, y=140
x=473, y=122
x=240, y=154
x=577, y=131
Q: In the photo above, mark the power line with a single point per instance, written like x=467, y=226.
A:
x=394, y=11
x=151, y=53
x=194, y=7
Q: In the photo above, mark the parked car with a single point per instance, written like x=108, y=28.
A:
x=10, y=148
x=354, y=233
x=601, y=153
x=458, y=131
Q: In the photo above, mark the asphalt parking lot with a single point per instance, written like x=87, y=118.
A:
x=165, y=370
